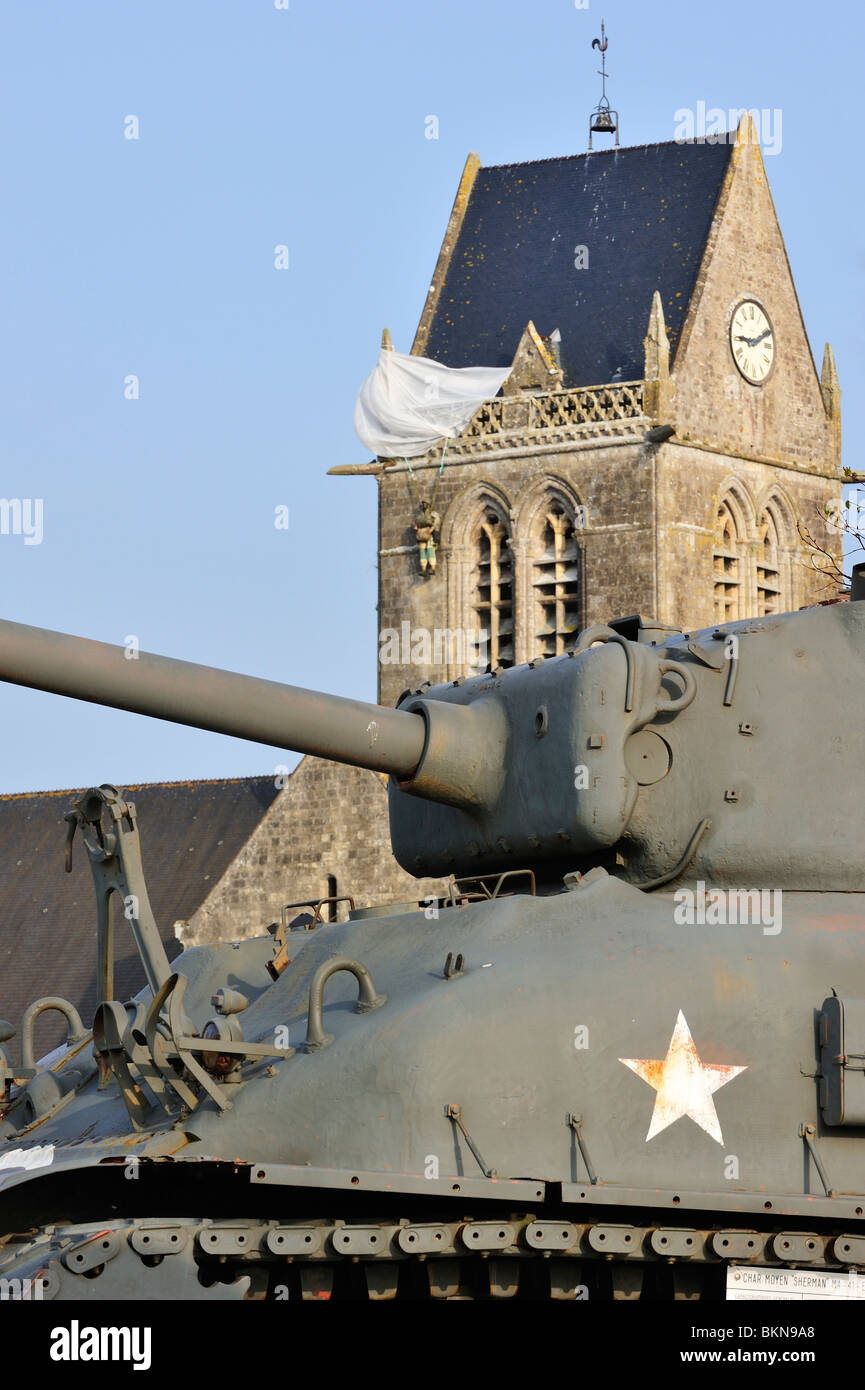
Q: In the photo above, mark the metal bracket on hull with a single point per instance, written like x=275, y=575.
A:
x=807, y=1132
x=576, y=1124
x=454, y=1114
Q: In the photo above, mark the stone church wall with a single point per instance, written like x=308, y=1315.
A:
x=611, y=479
x=770, y=441
x=691, y=483
x=784, y=420
x=330, y=820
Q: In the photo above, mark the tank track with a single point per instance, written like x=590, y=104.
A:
x=519, y=1255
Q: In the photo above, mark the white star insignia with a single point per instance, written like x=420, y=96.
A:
x=683, y=1083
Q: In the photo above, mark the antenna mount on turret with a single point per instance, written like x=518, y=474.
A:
x=603, y=119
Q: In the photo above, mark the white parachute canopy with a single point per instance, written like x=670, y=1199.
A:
x=408, y=404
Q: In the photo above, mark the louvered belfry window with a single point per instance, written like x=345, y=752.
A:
x=770, y=588
x=555, y=596
x=728, y=566
x=493, y=588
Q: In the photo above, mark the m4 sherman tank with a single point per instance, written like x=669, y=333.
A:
x=623, y=1055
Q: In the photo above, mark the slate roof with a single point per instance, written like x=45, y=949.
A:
x=190, y=833
x=643, y=213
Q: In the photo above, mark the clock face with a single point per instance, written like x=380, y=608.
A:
x=752, y=341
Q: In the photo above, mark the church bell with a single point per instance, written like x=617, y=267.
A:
x=603, y=121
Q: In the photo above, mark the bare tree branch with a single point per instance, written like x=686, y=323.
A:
x=821, y=559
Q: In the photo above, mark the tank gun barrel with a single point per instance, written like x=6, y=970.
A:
x=263, y=711
x=562, y=762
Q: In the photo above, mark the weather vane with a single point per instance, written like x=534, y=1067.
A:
x=603, y=120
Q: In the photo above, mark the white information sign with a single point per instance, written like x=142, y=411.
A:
x=785, y=1285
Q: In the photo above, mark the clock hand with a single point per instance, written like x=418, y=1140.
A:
x=752, y=342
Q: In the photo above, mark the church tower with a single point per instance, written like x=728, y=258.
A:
x=662, y=432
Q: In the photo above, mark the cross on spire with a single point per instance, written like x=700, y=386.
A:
x=603, y=119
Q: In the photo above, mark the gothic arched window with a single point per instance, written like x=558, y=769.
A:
x=769, y=586
x=774, y=568
x=730, y=600
x=555, y=582
x=492, y=588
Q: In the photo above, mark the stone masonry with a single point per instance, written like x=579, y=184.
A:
x=329, y=822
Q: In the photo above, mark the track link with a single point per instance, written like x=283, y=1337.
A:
x=515, y=1256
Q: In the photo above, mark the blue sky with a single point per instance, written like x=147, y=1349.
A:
x=302, y=127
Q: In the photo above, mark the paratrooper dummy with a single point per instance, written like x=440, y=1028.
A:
x=425, y=524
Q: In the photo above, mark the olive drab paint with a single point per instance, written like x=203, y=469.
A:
x=630, y=1026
